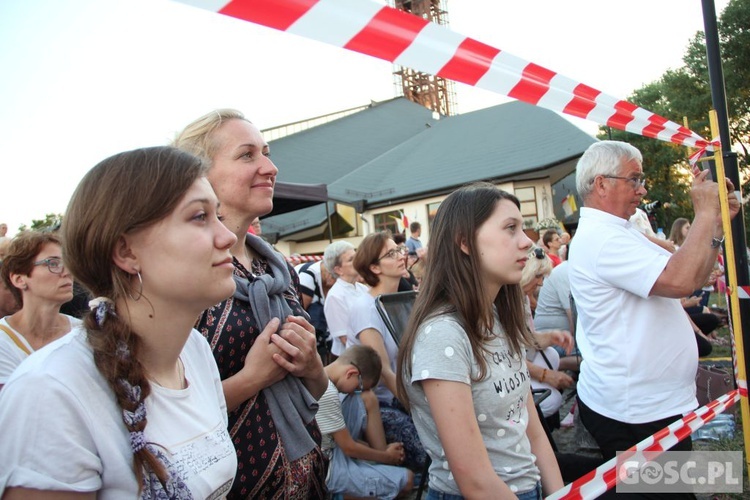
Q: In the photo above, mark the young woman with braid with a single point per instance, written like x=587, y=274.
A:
x=129, y=405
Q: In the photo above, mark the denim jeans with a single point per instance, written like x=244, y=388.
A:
x=534, y=494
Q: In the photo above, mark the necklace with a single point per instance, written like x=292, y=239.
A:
x=180, y=373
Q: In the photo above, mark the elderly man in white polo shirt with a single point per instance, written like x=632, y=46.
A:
x=639, y=351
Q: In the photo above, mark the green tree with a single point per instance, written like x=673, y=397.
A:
x=685, y=93
x=50, y=221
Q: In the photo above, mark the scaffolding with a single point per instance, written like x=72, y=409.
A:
x=432, y=92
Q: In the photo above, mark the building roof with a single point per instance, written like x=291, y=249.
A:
x=395, y=152
x=326, y=153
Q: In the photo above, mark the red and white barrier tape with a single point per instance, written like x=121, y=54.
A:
x=296, y=259
x=604, y=477
x=407, y=40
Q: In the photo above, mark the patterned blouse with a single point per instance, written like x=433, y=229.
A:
x=263, y=469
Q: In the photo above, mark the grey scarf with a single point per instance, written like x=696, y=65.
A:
x=292, y=406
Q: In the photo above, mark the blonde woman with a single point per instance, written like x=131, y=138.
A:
x=264, y=346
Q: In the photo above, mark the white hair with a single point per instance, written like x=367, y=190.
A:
x=332, y=255
x=603, y=158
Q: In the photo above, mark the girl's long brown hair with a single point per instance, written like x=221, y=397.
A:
x=452, y=282
x=121, y=194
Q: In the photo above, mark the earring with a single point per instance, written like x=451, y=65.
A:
x=140, y=289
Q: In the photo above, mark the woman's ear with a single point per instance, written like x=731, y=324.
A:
x=123, y=255
x=375, y=268
x=464, y=247
x=18, y=281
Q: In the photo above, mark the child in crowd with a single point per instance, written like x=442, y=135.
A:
x=461, y=362
x=368, y=468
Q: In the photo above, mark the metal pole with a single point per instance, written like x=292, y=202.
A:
x=739, y=248
x=328, y=219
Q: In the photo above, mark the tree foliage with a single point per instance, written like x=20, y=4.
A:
x=685, y=93
x=50, y=221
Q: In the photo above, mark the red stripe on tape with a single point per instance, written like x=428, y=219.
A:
x=623, y=115
x=387, y=34
x=470, y=62
x=610, y=477
x=582, y=102
x=661, y=434
x=585, y=479
x=269, y=12
x=683, y=432
x=657, y=125
x=533, y=85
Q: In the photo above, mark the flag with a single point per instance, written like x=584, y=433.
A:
x=401, y=222
x=569, y=205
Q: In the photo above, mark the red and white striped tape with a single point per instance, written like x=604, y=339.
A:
x=408, y=40
x=298, y=259
x=604, y=477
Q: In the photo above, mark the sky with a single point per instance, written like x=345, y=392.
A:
x=85, y=79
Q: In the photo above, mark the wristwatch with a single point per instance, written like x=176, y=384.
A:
x=716, y=242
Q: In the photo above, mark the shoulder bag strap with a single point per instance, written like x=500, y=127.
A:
x=15, y=339
x=305, y=269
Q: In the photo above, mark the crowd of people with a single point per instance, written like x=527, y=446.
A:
x=206, y=366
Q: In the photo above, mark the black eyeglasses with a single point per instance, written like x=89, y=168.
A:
x=393, y=254
x=636, y=182
x=54, y=264
x=360, y=385
x=539, y=253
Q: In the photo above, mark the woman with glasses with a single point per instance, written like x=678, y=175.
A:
x=34, y=273
x=381, y=264
x=461, y=366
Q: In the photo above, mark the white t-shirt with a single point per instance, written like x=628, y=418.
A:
x=63, y=430
x=442, y=351
x=554, y=300
x=639, y=352
x=364, y=315
x=337, y=305
x=11, y=355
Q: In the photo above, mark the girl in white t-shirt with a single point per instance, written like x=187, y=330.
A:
x=461, y=363
x=130, y=403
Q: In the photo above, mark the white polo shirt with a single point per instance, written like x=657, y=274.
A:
x=640, y=356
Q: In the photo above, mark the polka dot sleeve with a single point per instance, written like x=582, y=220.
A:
x=442, y=351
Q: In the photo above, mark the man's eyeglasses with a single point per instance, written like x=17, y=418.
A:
x=360, y=385
x=54, y=264
x=395, y=253
x=636, y=182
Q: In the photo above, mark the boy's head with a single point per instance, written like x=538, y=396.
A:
x=363, y=368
